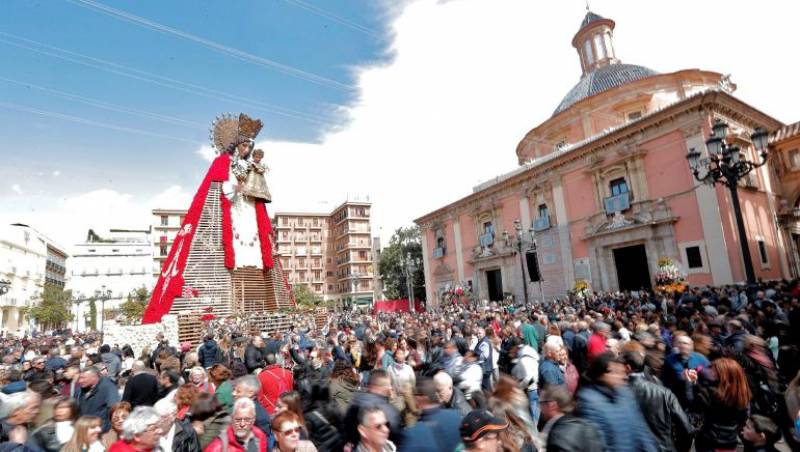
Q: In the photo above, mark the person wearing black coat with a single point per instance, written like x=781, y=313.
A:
x=96, y=396
x=209, y=353
x=323, y=420
x=660, y=408
x=563, y=431
x=253, y=357
x=141, y=388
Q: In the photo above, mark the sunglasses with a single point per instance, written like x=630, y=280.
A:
x=378, y=426
x=289, y=431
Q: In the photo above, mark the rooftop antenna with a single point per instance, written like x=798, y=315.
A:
x=587, y=6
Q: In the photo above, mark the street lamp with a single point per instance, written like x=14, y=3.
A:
x=78, y=300
x=410, y=265
x=726, y=166
x=103, y=295
x=518, y=243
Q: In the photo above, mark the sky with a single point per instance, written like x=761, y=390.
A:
x=105, y=104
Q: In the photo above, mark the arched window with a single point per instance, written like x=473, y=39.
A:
x=599, y=47
x=587, y=51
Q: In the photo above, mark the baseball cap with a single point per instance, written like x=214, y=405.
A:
x=478, y=423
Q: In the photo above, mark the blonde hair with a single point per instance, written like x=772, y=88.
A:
x=80, y=437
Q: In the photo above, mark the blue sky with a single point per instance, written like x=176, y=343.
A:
x=416, y=101
x=279, y=30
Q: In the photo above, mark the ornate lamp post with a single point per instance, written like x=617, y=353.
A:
x=103, y=295
x=726, y=166
x=410, y=265
x=518, y=243
x=78, y=300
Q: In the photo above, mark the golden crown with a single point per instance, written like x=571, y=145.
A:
x=249, y=127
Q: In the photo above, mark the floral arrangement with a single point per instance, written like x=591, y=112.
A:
x=582, y=289
x=669, y=278
x=459, y=293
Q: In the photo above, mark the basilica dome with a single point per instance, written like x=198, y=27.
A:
x=602, y=79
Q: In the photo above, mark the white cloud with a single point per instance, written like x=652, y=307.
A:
x=16, y=189
x=206, y=152
x=56, y=173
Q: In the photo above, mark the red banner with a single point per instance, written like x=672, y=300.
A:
x=396, y=306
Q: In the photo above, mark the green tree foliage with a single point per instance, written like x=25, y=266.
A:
x=404, y=242
x=305, y=298
x=52, y=308
x=133, y=308
x=92, y=314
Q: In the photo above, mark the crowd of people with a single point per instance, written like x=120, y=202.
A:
x=709, y=369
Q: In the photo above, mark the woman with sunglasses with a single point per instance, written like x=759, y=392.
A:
x=287, y=427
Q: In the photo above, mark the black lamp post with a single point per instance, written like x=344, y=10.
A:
x=518, y=243
x=103, y=295
x=725, y=165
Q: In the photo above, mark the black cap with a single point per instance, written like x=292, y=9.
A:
x=478, y=423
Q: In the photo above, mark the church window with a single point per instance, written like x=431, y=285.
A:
x=587, y=51
x=544, y=212
x=618, y=186
x=762, y=252
x=694, y=258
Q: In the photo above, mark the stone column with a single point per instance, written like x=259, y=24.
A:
x=459, y=250
x=430, y=293
x=562, y=223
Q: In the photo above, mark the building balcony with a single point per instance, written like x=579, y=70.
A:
x=438, y=253
x=638, y=213
x=617, y=203
x=486, y=239
x=541, y=224
x=283, y=226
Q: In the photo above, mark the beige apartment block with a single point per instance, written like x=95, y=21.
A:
x=165, y=224
x=329, y=252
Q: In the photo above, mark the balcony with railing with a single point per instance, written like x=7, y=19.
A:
x=438, y=253
x=541, y=224
x=617, y=203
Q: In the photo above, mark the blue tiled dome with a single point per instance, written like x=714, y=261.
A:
x=603, y=79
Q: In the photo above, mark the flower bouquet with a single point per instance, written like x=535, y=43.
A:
x=669, y=278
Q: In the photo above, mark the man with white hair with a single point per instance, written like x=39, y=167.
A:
x=550, y=372
x=140, y=431
x=241, y=435
x=449, y=396
x=249, y=387
x=17, y=411
x=178, y=436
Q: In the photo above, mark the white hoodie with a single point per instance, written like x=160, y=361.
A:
x=526, y=369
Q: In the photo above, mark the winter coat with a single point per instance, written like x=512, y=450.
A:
x=570, y=433
x=672, y=374
x=209, y=354
x=342, y=391
x=213, y=426
x=721, y=422
x=550, y=373
x=323, y=431
x=185, y=439
x=218, y=445
x=253, y=359
x=142, y=389
x=661, y=411
x=436, y=429
x=113, y=364
x=617, y=418
x=458, y=402
x=97, y=401
x=526, y=371
x=224, y=393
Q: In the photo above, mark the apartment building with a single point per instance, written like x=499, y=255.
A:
x=165, y=224
x=329, y=252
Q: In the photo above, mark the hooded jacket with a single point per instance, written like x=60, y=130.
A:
x=526, y=370
x=209, y=354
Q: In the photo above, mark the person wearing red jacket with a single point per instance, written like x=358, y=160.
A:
x=275, y=380
x=140, y=432
x=597, y=341
x=241, y=435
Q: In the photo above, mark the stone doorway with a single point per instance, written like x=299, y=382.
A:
x=632, y=267
x=494, y=283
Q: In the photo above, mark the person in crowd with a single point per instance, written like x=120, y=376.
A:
x=112, y=361
x=563, y=431
x=18, y=413
x=550, y=371
x=249, y=387
x=609, y=404
x=526, y=372
x=242, y=435
x=480, y=432
x=96, y=396
x=253, y=357
x=451, y=359
x=56, y=432
x=668, y=423
x=209, y=418
x=220, y=377
x=119, y=413
x=177, y=436
x=723, y=404
x=509, y=402
x=49, y=397
x=38, y=370
x=140, y=432
x=274, y=380
x=324, y=420
x=403, y=382
x=682, y=369
x=378, y=393
x=68, y=384
x=288, y=428
x=760, y=434
x=343, y=384
x=199, y=379
x=596, y=345
x=167, y=383
x=485, y=352
x=373, y=430
x=437, y=427
x=209, y=353
x=470, y=377
x=142, y=387
x=448, y=395
x=184, y=398
x=86, y=436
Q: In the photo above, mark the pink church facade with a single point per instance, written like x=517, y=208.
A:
x=605, y=185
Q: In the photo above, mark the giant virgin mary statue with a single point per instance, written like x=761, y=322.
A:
x=222, y=256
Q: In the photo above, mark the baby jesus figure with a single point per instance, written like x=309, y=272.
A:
x=255, y=185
